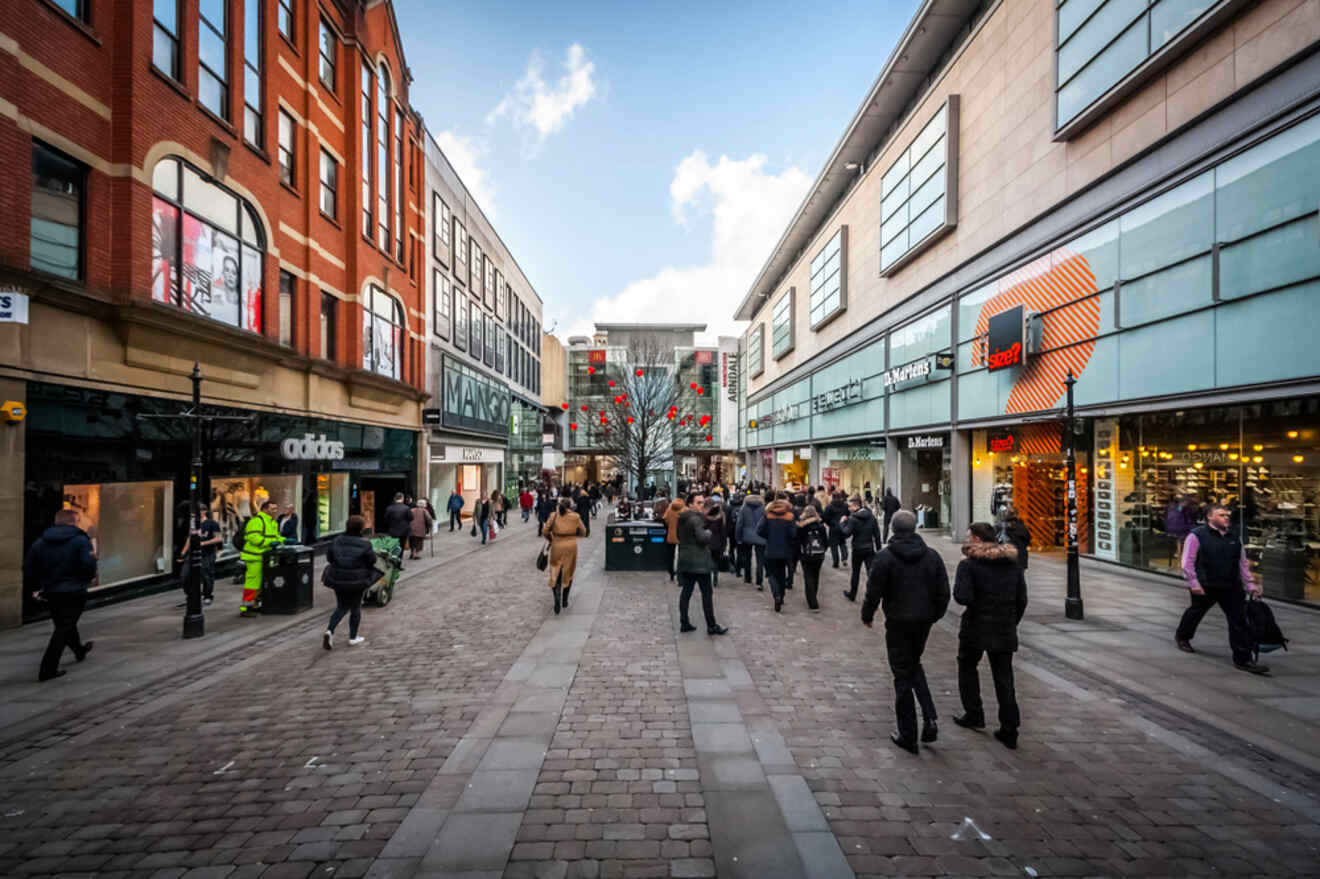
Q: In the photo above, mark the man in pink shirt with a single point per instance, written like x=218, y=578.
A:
x=1215, y=565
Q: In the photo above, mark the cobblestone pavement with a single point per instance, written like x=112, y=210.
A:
x=476, y=734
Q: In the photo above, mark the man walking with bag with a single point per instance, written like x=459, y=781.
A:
x=61, y=565
x=909, y=581
x=1215, y=565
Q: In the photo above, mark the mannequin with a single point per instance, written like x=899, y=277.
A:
x=242, y=501
x=260, y=496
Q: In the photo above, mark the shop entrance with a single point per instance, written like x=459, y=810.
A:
x=924, y=484
x=792, y=467
x=1026, y=468
x=375, y=493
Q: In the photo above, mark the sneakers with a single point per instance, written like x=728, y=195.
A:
x=1184, y=645
x=354, y=642
x=207, y=602
x=1254, y=668
x=328, y=640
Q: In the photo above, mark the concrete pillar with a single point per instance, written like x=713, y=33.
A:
x=13, y=463
x=960, y=468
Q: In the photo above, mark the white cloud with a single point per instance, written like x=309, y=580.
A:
x=534, y=103
x=465, y=154
x=750, y=208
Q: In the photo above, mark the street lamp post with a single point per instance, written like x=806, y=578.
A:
x=1072, y=607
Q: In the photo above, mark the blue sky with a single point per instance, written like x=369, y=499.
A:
x=640, y=159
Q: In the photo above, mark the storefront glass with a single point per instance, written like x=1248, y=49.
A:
x=130, y=526
x=1025, y=466
x=235, y=499
x=925, y=484
x=853, y=469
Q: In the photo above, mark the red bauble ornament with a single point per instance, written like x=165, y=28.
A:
x=670, y=416
x=693, y=386
x=572, y=426
x=708, y=438
x=584, y=407
x=639, y=373
x=591, y=370
x=611, y=382
x=701, y=391
x=564, y=406
x=630, y=419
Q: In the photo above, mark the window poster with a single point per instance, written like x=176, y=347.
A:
x=210, y=272
x=252, y=280
x=164, y=251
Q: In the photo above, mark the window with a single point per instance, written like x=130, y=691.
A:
x=488, y=327
x=329, y=185
x=399, y=237
x=287, y=149
x=329, y=326
x=829, y=280
x=57, y=210
x=501, y=347
x=76, y=8
x=383, y=158
x=489, y=279
x=253, y=99
x=284, y=19
x=443, y=296
x=165, y=37
x=382, y=333
x=501, y=295
x=919, y=191
x=440, y=226
x=286, y=308
x=756, y=350
x=329, y=49
x=475, y=346
x=460, y=252
x=781, y=325
x=213, y=56
x=367, y=222
x=478, y=267
x=207, y=248
x=460, y=320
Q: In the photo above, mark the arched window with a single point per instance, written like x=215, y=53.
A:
x=383, y=157
x=383, y=327
x=207, y=247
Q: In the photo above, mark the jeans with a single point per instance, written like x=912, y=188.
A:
x=861, y=561
x=745, y=553
x=1233, y=602
x=688, y=580
x=905, y=642
x=777, y=571
x=347, y=601
x=208, y=573
x=839, y=551
x=527, y=511
x=484, y=526
x=792, y=572
x=65, y=608
x=811, y=579
x=969, y=685
x=455, y=520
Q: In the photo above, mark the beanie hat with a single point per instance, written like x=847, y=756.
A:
x=904, y=521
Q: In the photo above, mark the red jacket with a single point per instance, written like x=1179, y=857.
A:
x=525, y=500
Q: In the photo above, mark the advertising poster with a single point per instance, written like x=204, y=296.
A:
x=1108, y=488
x=210, y=272
x=252, y=289
x=164, y=251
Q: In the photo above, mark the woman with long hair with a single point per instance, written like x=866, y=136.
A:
x=563, y=530
x=350, y=569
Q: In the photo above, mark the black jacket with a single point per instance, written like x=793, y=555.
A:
x=544, y=507
x=60, y=561
x=890, y=504
x=779, y=531
x=398, y=520
x=909, y=581
x=805, y=530
x=350, y=563
x=1018, y=535
x=749, y=521
x=289, y=528
x=864, y=531
x=991, y=586
x=833, y=513
x=716, y=523
x=731, y=510
x=582, y=504
x=692, y=531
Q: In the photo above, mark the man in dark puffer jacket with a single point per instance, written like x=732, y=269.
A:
x=61, y=565
x=909, y=580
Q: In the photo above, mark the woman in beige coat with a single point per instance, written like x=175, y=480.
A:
x=564, y=527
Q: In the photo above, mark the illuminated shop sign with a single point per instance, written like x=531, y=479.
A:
x=1004, y=442
x=925, y=441
x=909, y=373
x=1008, y=340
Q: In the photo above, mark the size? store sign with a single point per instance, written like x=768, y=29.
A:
x=1007, y=339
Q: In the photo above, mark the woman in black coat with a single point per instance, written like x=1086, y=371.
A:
x=834, y=513
x=715, y=524
x=350, y=569
x=990, y=584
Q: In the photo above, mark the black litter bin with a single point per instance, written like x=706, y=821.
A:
x=637, y=546
x=286, y=579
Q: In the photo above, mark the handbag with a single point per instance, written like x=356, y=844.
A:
x=543, y=557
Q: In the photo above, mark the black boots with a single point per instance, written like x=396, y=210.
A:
x=970, y=721
x=1008, y=737
x=909, y=745
x=930, y=731
x=558, y=599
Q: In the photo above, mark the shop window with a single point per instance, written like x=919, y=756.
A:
x=443, y=303
x=329, y=325
x=829, y=280
x=460, y=320
x=130, y=527
x=329, y=185
x=441, y=228
x=213, y=56
x=208, y=248
x=368, y=226
x=383, y=159
x=165, y=37
x=253, y=99
x=234, y=499
x=285, y=19
x=383, y=329
x=55, y=229
x=331, y=503
x=924, y=336
x=328, y=50
x=781, y=324
x=286, y=308
x=287, y=148
x=918, y=191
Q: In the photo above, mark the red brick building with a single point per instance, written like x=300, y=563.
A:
x=233, y=182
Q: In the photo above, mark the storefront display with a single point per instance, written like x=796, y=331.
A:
x=235, y=499
x=924, y=478
x=1025, y=466
x=853, y=469
x=130, y=527
x=331, y=503
x=792, y=467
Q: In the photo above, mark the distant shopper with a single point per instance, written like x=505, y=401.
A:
x=582, y=503
x=990, y=584
x=750, y=542
x=525, y=503
x=1215, y=566
x=398, y=520
x=813, y=545
x=545, y=508
x=717, y=524
x=209, y=541
x=350, y=570
x=259, y=534
x=289, y=525
x=455, y=508
x=420, y=528
x=563, y=529
x=673, y=510
x=61, y=567
x=1013, y=530
x=864, y=532
x=889, y=505
x=695, y=564
x=909, y=582
x=835, y=512
x=779, y=531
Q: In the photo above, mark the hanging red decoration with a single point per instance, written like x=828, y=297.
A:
x=708, y=438
x=701, y=391
x=564, y=406
x=693, y=386
x=630, y=419
x=572, y=426
x=670, y=416
x=591, y=370
x=584, y=407
x=639, y=373
x=611, y=382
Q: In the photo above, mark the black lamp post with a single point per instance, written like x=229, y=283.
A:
x=1072, y=606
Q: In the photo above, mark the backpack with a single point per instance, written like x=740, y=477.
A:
x=240, y=536
x=1266, y=636
x=815, y=546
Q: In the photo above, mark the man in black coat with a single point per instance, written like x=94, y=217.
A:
x=61, y=567
x=990, y=584
x=582, y=505
x=835, y=513
x=398, y=519
x=908, y=579
x=889, y=505
x=864, y=531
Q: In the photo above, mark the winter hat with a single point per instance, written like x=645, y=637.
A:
x=903, y=521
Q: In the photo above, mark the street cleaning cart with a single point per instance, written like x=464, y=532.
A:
x=389, y=561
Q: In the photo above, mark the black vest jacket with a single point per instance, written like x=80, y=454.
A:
x=1218, y=558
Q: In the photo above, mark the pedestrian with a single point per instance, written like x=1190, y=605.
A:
x=525, y=503
x=779, y=532
x=350, y=569
x=259, y=534
x=909, y=582
x=1013, y=530
x=864, y=532
x=545, y=507
x=749, y=541
x=500, y=508
x=889, y=505
x=455, y=508
x=673, y=510
x=835, y=513
x=209, y=540
x=1215, y=566
x=731, y=510
x=398, y=520
x=486, y=516
x=716, y=524
x=813, y=543
x=562, y=529
x=696, y=564
x=799, y=502
x=420, y=528
x=582, y=503
x=61, y=566
x=289, y=525
x=820, y=500
x=990, y=584
x=659, y=508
